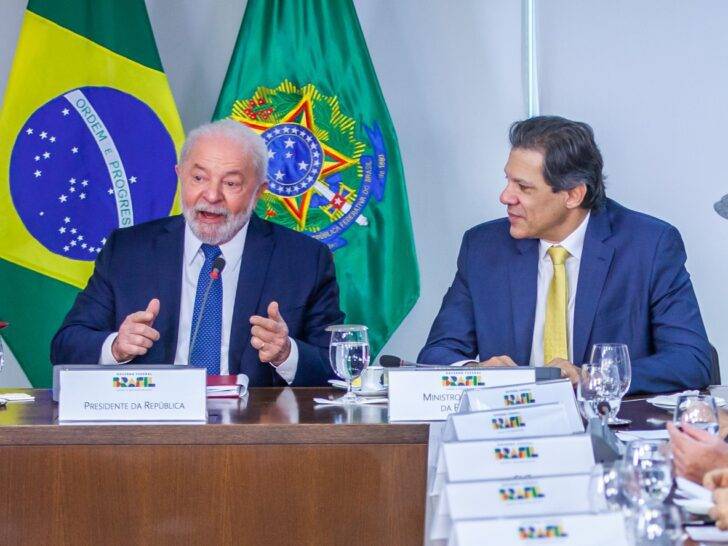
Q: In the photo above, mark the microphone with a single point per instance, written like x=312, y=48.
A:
x=217, y=266
x=391, y=361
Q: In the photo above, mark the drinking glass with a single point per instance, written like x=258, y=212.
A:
x=658, y=525
x=614, y=354
x=597, y=390
x=698, y=410
x=647, y=471
x=605, y=488
x=348, y=354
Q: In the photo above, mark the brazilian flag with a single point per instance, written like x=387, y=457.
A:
x=88, y=139
x=302, y=78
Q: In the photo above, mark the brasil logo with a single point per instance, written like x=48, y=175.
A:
x=528, y=532
x=323, y=166
x=509, y=453
x=518, y=493
x=128, y=382
x=508, y=422
x=519, y=399
x=462, y=381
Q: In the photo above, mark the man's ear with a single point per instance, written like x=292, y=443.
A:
x=176, y=170
x=575, y=196
x=261, y=189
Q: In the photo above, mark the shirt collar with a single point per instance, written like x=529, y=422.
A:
x=232, y=251
x=574, y=243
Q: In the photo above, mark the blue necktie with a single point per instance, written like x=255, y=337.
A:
x=206, y=350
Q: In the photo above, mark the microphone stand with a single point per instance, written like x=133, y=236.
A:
x=605, y=443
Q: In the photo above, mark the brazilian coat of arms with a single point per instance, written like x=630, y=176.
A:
x=323, y=167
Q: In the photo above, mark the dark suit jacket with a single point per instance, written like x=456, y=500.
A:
x=633, y=288
x=145, y=262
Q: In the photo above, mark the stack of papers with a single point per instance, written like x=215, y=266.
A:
x=696, y=499
x=227, y=386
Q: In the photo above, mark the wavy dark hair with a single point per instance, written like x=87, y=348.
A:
x=571, y=156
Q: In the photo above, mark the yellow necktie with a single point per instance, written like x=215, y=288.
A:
x=555, y=342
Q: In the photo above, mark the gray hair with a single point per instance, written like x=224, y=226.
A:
x=252, y=146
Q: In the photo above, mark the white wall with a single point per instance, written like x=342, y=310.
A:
x=650, y=77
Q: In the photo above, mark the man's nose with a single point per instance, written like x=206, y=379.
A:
x=213, y=192
x=507, y=197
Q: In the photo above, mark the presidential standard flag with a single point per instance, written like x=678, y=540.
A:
x=88, y=140
x=301, y=76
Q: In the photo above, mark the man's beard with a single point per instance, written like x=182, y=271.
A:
x=216, y=234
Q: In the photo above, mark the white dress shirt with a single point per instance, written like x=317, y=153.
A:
x=574, y=244
x=193, y=260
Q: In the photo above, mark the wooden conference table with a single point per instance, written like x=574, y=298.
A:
x=270, y=469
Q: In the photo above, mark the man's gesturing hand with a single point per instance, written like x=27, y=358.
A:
x=136, y=335
x=270, y=336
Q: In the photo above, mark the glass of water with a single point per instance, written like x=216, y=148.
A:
x=648, y=465
x=598, y=391
x=349, y=354
x=606, y=489
x=698, y=410
x=655, y=525
x=614, y=354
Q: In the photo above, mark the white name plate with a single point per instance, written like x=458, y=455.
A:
x=606, y=529
x=544, y=392
x=500, y=459
x=432, y=393
x=176, y=394
x=503, y=498
x=510, y=423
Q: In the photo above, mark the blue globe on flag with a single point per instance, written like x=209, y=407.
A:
x=89, y=161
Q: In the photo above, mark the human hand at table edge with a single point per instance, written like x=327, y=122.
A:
x=136, y=335
x=719, y=511
x=696, y=452
x=567, y=369
x=495, y=361
x=269, y=336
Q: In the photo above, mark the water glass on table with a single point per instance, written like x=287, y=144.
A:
x=598, y=391
x=617, y=355
x=348, y=355
x=698, y=410
x=658, y=525
x=647, y=472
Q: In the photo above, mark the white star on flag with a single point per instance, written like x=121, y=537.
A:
x=84, y=183
x=279, y=175
x=289, y=155
x=63, y=198
x=74, y=150
x=46, y=155
x=289, y=143
x=271, y=154
x=74, y=230
x=52, y=139
x=37, y=173
x=29, y=131
x=66, y=219
x=83, y=245
x=66, y=248
x=103, y=241
x=110, y=191
x=82, y=196
x=72, y=243
x=37, y=158
x=44, y=135
x=302, y=166
x=132, y=179
x=61, y=230
x=72, y=189
x=72, y=181
x=80, y=237
x=65, y=111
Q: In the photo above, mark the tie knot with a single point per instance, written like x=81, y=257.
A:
x=210, y=252
x=558, y=254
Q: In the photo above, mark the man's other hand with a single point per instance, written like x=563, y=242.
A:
x=502, y=360
x=567, y=369
x=269, y=336
x=136, y=335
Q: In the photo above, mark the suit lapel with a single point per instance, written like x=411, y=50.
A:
x=596, y=258
x=254, y=265
x=523, y=276
x=169, y=253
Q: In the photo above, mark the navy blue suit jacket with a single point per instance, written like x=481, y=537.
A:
x=633, y=288
x=145, y=262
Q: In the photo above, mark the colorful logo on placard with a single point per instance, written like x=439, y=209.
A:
x=527, y=492
x=528, y=532
x=506, y=453
x=132, y=382
x=519, y=399
x=508, y=422
x=449, y=381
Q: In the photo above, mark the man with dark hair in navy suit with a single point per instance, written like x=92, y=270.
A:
x=569, y=268
x=154, y=297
